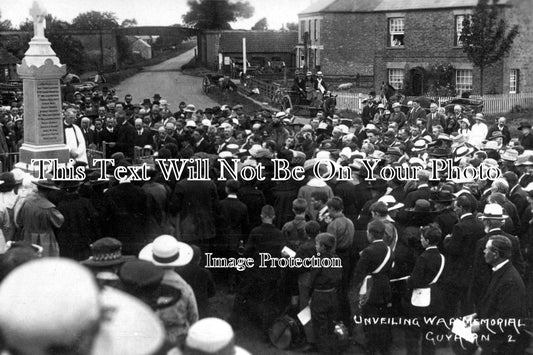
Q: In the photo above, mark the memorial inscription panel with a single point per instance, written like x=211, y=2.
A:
x=49, y=123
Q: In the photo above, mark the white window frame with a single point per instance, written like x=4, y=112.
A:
x=514, y=78
x=463, y=80
x=396, y=29
x=396, y=77
x=458, y=29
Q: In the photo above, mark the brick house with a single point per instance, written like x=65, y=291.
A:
x=261, y=47
x=401, y=41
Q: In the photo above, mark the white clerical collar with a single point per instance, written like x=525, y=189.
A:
x=499, y=266
x=465, y=215
x=431, y=247
x=423, y=185
x=495, y=229
x=232, y=196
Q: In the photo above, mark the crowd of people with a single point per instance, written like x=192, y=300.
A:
x=410, y=249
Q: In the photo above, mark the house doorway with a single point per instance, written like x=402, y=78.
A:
x=417, y=81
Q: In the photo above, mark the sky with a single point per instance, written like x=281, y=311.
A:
x=152, y=12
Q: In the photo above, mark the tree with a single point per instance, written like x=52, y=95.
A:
x=129, y=22
x=5, y=25
x=291, y=26
x=216, y=14
x=52, y=24
x=483, y=36
x=261, y=25
x=95, y=20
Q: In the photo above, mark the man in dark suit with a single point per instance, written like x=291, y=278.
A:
x=434, y=118
x=108, y=135
x=458, y=249
x=526, y=138
x=493, y=221
x=422, y=192
x=415, y=113
x=505, y=299
x=200, y=143
x=88, y=133
x=502, y=127
x=376, y=260
x=143, y=136
x=125, y=136
x=235, y=214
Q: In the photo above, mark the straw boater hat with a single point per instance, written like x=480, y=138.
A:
x=167, y=251
x=56, y=302
x=419, y=145
x=510, y=155
x=212, y=336
x=106, y=252
x=493, y=211
x=461, y=152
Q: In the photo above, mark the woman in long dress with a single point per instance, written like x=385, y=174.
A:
x=38, y=218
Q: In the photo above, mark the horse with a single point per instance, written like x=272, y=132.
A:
x=389, y=95
x=329, y=103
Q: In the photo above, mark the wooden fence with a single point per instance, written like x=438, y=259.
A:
x=492, y=104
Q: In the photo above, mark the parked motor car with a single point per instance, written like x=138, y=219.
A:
x=470, y=106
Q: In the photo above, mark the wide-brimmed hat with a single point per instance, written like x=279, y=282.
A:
x=190, y=108
x=212, y=336
x=524, y=124
x=442, y=196
x=465, y=120
x=46, y=184
x=391, y=202
x=510, y=155
x=157, y=96
x=496, y=135
x=55, y=301
x=8, y=182
x=439, y=152
x=167, y=251
x=106, y=252
x=493, y=211
x=146, y=102
x=479, y=116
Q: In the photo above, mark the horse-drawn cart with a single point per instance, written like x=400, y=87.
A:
x=286, y=98
x=217, y=81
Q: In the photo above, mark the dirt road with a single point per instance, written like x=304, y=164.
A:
x=167, y=80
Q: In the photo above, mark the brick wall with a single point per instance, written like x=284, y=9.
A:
x=521, y=53
x=358, y=43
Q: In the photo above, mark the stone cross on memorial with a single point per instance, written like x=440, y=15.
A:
x=40, y=72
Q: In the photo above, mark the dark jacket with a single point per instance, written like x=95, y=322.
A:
x=505, y=132
x=426, y=269
x=235, y=226
x=371, y=258
x=125, y=139
x=459, y=248
x=505, y=298
x=482, y=271
x=421, y=193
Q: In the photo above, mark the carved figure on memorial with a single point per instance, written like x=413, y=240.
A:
x=38, y=14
